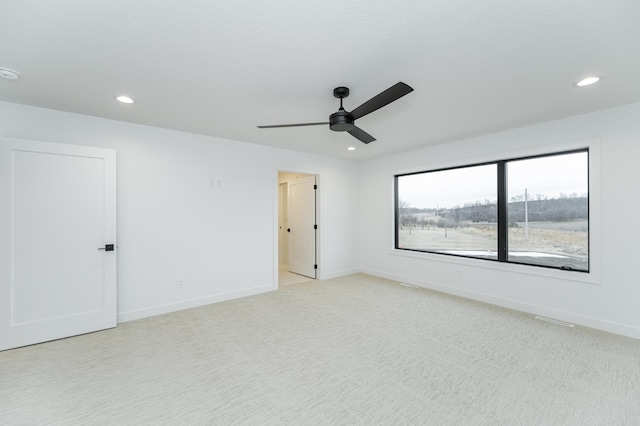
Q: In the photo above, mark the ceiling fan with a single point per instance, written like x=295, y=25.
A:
x=344, y=121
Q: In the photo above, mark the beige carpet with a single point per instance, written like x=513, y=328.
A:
x=349, y=351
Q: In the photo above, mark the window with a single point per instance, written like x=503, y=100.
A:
x=532, y=211
x=441, y=212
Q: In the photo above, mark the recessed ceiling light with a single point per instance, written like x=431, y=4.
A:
x=588, y=81
x=9, y=74
x=351, y=148
x=125, y=99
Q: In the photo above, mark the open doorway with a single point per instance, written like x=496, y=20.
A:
x=297, y=227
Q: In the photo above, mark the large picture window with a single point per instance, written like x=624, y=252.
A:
x=532, y=210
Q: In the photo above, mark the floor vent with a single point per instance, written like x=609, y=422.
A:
x=555, y=321
x=409, y=285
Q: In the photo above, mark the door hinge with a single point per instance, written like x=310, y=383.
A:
x=315, y=226
x=315, y=266
x=315, y=186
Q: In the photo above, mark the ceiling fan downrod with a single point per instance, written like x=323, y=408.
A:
x=340, y=121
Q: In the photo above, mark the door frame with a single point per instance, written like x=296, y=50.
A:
x=276, y=204
x=283, y=201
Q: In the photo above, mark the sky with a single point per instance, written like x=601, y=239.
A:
x=548, y=176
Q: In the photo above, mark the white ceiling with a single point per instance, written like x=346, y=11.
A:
x=221, y=68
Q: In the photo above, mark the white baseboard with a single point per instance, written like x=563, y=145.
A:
x=191, y=303
x=591, y=322
x=339, y=274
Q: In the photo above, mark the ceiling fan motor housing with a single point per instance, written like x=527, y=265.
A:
x=340, y=121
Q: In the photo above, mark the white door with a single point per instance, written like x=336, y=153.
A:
x=302, y=224
x=57, y=216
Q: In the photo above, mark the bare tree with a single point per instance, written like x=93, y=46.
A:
x=403, y=210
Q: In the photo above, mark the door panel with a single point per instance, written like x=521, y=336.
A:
x=302, y=219
x=59, y=209
x=283, y=224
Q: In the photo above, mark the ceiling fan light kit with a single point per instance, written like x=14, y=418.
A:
x=344, y=121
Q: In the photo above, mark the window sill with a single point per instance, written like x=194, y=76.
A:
x=590, y=277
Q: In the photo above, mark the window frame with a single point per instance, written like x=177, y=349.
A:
x=502, y=203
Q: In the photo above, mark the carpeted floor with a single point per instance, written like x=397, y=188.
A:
x=356, y=350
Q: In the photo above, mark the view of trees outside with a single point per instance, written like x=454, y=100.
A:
x=449, y=211
x=548, y=211
x=455, y=211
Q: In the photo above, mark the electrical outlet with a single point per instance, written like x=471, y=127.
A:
x=179, y=284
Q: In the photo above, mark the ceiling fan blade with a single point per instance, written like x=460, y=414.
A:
x=361, y=135
x=393, y=93
x=291, y=125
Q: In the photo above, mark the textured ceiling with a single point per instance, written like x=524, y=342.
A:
x=221, y=68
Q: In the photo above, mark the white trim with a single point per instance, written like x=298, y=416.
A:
x=193, y=303
x=343, y=273
x=595, y=241
x=582, y=277
x=530, y=151
x=583, y=320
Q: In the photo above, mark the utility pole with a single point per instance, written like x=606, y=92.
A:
x=526, y=215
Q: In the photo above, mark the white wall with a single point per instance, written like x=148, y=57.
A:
x=609, y=298
x=222, y=242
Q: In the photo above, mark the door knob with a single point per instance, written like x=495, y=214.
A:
x=107, y=247
x=288, y=229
